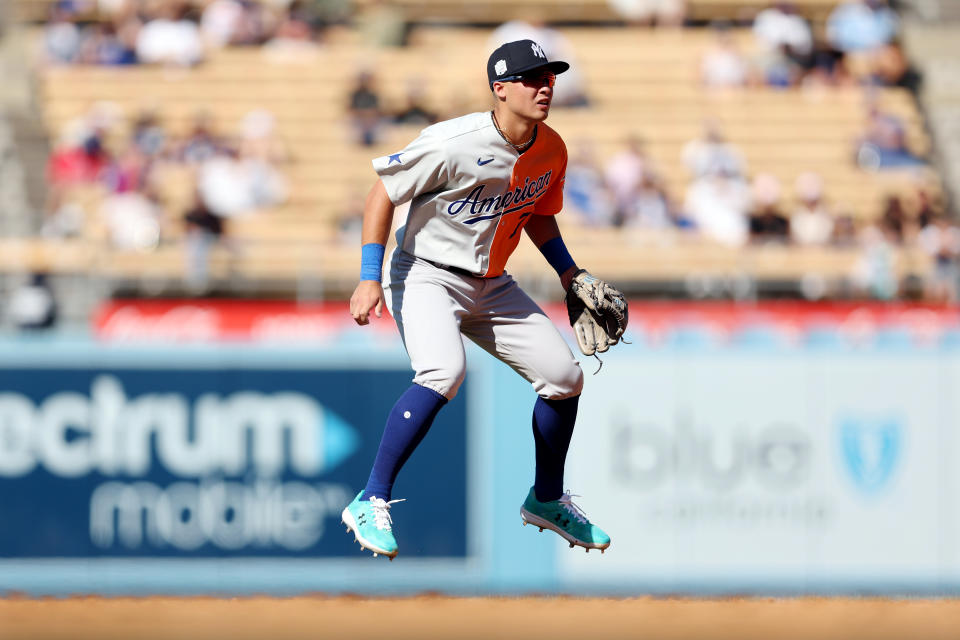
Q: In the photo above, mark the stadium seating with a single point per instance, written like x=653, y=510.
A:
x=640, y=82
x=491, y=11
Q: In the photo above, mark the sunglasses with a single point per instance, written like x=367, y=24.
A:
x=533, y=79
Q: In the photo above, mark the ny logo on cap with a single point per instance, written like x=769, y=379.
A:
x=537, y=51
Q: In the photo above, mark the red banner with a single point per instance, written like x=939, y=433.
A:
x=204, y=320
x=215, y=320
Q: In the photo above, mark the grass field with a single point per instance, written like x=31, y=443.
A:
x=422, y=617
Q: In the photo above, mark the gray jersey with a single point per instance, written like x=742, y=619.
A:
x=470, y=192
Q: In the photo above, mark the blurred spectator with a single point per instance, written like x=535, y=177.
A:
x=204, y=230
x=893, y=217
x=414, y=110
x=778, y=69
x=259, y=138
x=718, y=204
x=382, y=23
x=861, y=25
x=171, y=38
x=129, y=172
x=222, y=22
x=712, y=154
x=940, y=239
x=61, y=36
x=202, y=143
x=922, y=203
x=767, y=222
x=722, y=65
x=884, y=143
x=875, y=272
x=132, y=219
x=77, y=164
x=651, y=207
x=261, y=152
x=780, y=27
x=585, y=189
x=148, y=134
x=235, y=182
x=177, y=32
x=570, y=90
x=624, y=173
x=258, y=21
x=350, y=221
x=294, y=33
x=662, y=13
x=365, y=111
x=811, y=223
x=232, y=186
x=828, y=68
x=32, y=305
x=889, y=68
x=784, y=44
x=104, y=45
x=224, y=185
x=845, y=231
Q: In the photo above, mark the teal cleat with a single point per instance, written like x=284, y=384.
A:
x=371, y=524
x=566, y=518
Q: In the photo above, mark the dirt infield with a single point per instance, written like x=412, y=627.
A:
x=424, y=617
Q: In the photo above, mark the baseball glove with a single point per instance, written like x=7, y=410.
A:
x=597, y=311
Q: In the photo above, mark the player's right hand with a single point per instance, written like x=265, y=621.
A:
x=366, y=297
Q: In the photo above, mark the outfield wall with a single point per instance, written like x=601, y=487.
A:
x=758, y=466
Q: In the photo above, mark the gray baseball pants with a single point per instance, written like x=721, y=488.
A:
x=434, y=307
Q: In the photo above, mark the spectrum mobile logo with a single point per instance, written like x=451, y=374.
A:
x=70, y=434
x=871, y=450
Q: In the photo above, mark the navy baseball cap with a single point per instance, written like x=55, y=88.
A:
x=514, y=58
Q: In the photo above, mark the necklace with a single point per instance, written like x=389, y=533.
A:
x=519, y=147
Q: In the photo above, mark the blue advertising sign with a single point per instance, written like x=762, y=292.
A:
x=143, y=462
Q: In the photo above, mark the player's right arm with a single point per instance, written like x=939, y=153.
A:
x=377, y=220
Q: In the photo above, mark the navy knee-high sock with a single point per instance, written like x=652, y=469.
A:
x=408, y=423
x=553, y=422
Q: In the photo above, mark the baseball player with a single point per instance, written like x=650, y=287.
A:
x=475, y=183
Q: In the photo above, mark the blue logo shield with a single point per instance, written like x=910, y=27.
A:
x=871, y=451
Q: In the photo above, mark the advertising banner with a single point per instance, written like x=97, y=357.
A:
x=654, y=321
x=779, y=468
x=207, y=462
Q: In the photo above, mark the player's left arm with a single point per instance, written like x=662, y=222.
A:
x=545, y=234
x=542, y=226
x=597, y=311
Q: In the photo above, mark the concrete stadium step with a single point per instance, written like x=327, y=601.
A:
x=932, y=47
x=32, y=147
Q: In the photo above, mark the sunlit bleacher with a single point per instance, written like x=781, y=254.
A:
x=640, y=81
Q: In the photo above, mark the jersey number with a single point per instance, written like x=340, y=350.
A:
x=520, y=223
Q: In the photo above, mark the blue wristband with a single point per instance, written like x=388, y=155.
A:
x=557, y=255
x=371, y=261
